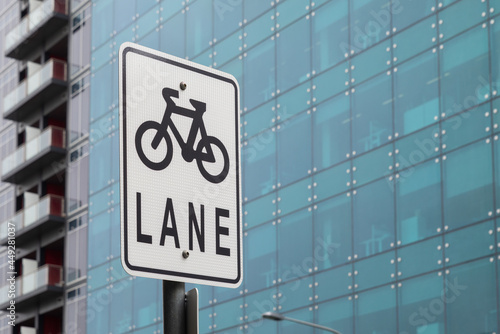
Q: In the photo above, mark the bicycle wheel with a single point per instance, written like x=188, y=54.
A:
x=151, y=125
x=210, y=144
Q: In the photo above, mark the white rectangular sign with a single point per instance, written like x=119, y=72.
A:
x=179, y=169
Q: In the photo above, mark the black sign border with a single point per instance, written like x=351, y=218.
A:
x=124, y=145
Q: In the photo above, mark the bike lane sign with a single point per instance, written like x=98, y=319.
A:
x=180, y=188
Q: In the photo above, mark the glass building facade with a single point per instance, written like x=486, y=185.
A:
x=371, y=162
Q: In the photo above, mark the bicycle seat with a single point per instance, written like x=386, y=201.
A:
x=168, y=93
x=198, y=105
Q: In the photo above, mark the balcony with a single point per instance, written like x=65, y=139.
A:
x=30, y=158
x=34, y=28
x=44, y=215
x=45, y=282
x=47, y=81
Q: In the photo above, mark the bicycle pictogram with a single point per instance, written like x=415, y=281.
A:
x=204, y=151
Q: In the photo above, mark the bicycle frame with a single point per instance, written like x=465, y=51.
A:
x=188, y=150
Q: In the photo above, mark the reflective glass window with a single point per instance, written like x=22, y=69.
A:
x=329, y=36
x=169, y=41
x=228, y=314
x=334, y=283
x=259, y=211
x=470, y=243
x=471, y=308
x=332, y=232
x=374, y=271
x=371, y=166
x=228, y=16
x=101, y=100
x=145, y=303
x=305, y=314
x=295, y=196
x=460, y=17
x=371, y=62
x=287, y=12
x=372, y=114
x=258, y=30
x=123, y=15
x=293, y=67
x=120, y=307
x=420, y=257
x=416, y=108
x=259, y=119
x=415, y=39
x=418, y=202
x=331, y=82
x=98, y=313
x=295, y=258
x=292, y=102
x=294, y=149
x=146, y=22
x=373, y=218
x=336, y=314
x=260, y=257
x=370, y=19
x=259, y=81
x=258, y=303
x=464, y=67
x=99, y=238
x=417, y=147
x=227, y=49
x=495, y=50
x=331, y=132
x=102, y=20
x=468, y=191
x=252, y=9
x=332, y=181
x=407, y=12
x=295, y=294
x=375, y=311
x=198, y=17
x=170, y=7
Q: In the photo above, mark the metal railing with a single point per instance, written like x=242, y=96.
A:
x=48, y=205
x=52, y=136
x=53, y=69
x=46, y=275
x=33, y=21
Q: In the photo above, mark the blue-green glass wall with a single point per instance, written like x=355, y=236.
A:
x=371, y=162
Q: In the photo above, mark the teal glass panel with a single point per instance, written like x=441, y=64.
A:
x=470, y=243
x=98, y=277
x=372, y=114
x=336, y=314
x=289, y=11
x=198, y=18
x=224, y=294
x=370, y=19
x=258, y=303
x=294, y=149
x=375, y=311
x=227, y=49
x=99, y=202
x=145, y=5
x=371, y=62
x=259, y=119
x=228, y=16
x=296, y=294
x=205, y=58
x=100, y=169
x=260, y=257
x=420, y=305
x=259, y=158
x=115, y=232
x=415, y=39
x=497, y=173
x=464, y=67
x=417, y=147
x=258, y=30
x=331, y=132
x=418, y=202
x=371, y=166
x=98, y=313
x=147, y=22
x=460, y=17
x=228, y=314
x=124, y=16
x=294, y=101
x=415, y=108
x=495, y=50
x=99, y=239
x=117, y=272
x=470, y=307
x=151, y=40
x=120, y=307
x=407, y=12
x=289, y=327
x=259, y=82
x=466, y=127
x=330, y=83
x=332, y=232
x=329, y=37
x=252, y=9
x=295, y=258
x=259, y=211
x=420, y=257
x=373, y=218
x=332, y=181
x=145, y=303
x=495, y=106
x=103, y=55
x=468, y=191
x=169, y=8
x=295, y=196
x=293, y=67
x=334, y=283
x=169, y=36
x=206, y=320
x=101, y=99
x=102, y=22
x=374, y=271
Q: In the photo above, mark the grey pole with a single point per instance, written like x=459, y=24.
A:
x=174, y=308
x=279, y=317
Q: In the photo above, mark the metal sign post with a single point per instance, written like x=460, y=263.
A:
x=180, y=309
